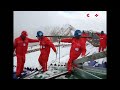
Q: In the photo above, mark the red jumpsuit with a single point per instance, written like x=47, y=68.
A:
x=21, y=49
x=77, y=48
x=45, y=45
x=103, y=41
x=84, y=43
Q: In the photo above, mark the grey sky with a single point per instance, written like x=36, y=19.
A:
x=32, y=21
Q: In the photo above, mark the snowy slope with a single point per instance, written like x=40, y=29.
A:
x=32, y=58
x=33, y=47
x=38, y=46
x=99, y=61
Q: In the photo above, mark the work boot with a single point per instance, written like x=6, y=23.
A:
x=68, y=74
x=18, y=76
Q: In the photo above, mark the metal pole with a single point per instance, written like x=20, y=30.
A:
x=59, y=49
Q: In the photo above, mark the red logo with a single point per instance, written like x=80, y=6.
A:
x=88, y=15
x=96, y=15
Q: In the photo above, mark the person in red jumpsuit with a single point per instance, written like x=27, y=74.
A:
x=45, y=45
x=84, y=42
x=20, y=47
x=103, y=41
x=77, y=47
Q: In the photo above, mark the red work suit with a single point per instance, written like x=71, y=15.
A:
x=103, y=41
x=77, y=47
x=21, y=49
x=84, y=43
x=45, y=45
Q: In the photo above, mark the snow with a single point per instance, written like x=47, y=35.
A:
x=101, y=60
x=38, y=46
x=32, y=58
x=33, y=47
x=90, y=48
x=85, y=64
x=64, y=54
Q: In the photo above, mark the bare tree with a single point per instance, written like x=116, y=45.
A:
x=55, y=32
x=61, y=31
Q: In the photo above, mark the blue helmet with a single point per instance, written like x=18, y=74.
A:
x=77, y=33
x=39, y=34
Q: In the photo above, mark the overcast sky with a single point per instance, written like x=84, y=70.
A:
x=31, y=21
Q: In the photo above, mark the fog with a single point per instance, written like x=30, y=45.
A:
x=33, y=21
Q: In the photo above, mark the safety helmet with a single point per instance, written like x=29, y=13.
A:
x=39, y=34
x=102, y=32
x=24, y=33
x=77, y=33
x=83, y=31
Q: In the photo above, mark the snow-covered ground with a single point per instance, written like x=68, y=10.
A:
x=38, y=46
x=32, y=58
x=99, y=61
x=33, y=47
